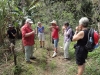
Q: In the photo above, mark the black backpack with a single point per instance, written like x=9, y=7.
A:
x=90, y=45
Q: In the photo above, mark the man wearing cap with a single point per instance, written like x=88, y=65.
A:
x=55, y=36
x=11, y=32
x=28, y=40
x=40, y=32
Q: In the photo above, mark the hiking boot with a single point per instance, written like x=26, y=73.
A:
x=66, y=59
x=29, y=62
x=32, y=58
x=54, y=55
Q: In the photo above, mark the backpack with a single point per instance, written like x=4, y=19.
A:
x=71, y=34
x=93, y=39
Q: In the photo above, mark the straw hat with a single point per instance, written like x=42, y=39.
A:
x=54, y=22
x=10, y=25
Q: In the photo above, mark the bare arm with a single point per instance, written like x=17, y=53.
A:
x=78, y=36
x=30, y=33
x=13, y=34
x=63, y=29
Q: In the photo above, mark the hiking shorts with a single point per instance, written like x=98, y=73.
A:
x=41, y=36
x=56, y=42
x=81, y=55
x=12, y=41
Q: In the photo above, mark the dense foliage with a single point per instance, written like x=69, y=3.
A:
x=68, y=10
x=14, y=12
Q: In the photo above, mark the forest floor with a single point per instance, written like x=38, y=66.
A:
x=45, y=64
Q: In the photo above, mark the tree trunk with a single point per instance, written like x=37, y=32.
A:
x=0, y=38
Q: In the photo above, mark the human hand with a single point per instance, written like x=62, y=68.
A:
x=77, y=29
x=52, y=26
x=13, y=34
x=33, y=31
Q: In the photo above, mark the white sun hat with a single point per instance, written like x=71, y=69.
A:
x=28, y=21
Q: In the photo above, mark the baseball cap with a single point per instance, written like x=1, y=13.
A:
x=10, y=25
x=28, y=20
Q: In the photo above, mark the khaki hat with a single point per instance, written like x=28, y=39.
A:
x=28, y=21
x=54, y=22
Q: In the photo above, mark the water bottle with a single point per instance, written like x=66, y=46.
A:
x=96, y=46
x=91, y=39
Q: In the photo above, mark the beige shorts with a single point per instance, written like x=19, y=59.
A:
x=41, y=37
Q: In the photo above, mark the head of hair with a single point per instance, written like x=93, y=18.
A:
x=66, y=24
x=84, y=21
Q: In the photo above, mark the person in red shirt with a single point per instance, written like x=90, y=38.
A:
x=55, y=36
x=28, y=40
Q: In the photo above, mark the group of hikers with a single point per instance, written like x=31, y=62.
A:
x=80, y=35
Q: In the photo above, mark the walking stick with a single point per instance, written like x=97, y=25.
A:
x=36, y=39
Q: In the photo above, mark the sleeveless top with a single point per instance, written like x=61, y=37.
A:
x=83, y=41
x=40, y=29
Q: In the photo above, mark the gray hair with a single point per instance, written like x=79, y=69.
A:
x=84, y=21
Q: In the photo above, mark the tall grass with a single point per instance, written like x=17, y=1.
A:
x=45, y=65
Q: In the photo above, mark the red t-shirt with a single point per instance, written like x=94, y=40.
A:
x=55, y=31
x=27, y=41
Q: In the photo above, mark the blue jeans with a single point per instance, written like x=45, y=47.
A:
x=56, y=42
x=28, y=52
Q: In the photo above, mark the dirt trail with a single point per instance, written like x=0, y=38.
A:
x=54, y=66
x=59, y=65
